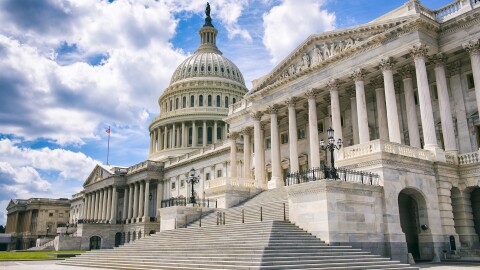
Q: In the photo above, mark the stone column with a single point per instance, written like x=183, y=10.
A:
x=125, y=204
x=353, y=108
x=159, y=196
x=464, y=224
x=276, y=180
x=160, y=140
x=146, y=204
x=165, y=138
x=382, y=123
x=130, y=202
x=151, y=142
x=293, y=136
x=105, y=204
x=460, y=113
x=413, y=133
x=313, y=129
x=444, y=104
x=85, y=207
x=174, y=137
x=233, y=154
x=113, y=214
x=91, y=207
x=215, y=126
x=258, y=145
x=109, y=204
x=247, y=152
x=194, y=134
x=225, y=130
x=419, y=53
x=97, y=204
x=335, y=110
x=101, y=203
x=394, y=135
x=473, y=48
x=363, y=130
x=141, y=197
x=204, y=138
x=184, y=143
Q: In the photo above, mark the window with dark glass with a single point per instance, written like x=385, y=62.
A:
x=192, y=101
x=226, y=102
x=218, y=100
x=176, y=104
x=200, y=100
x=184, y=102
x=209, y=101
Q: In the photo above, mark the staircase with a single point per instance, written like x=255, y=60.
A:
x=266, y=206
x=256, y=245
x=256, y=239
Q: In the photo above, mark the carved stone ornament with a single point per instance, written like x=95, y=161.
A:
x=406, y=72
x=311, y=94
x=386, y=63
x=273, y=109
x=377, y=82
x=472, y=47
x=332, y=85
x=454, y=68
x=439, y=59
x=233, y=135
x=419, y=51
x=257, y=116
x=291, y=102
x=247, y=131
x=358, y=75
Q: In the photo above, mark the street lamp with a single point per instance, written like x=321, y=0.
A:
x=67, y=225
x=193, y=178
x=331, y=146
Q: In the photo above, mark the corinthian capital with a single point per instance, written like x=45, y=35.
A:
x=233, y=135
x=256, y=115
x=386, y=63
x=311, y=94
x=273, y=109
x=419, y=51
x=406, y=72
x=247, y=130
x=332, y=85
x=439, y=59
x=291, y=102
x=454, y=68
x=358, y=75
x=377, y=82
x=472, y=47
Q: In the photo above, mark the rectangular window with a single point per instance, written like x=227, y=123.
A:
x=477, y=129
x=470, y=81
x=50, y=214
x=173, y=185
x=415, y=95
x=268, y=143
x=284, y=138
x=207, y=176
x=182, y=183
x=219, y=173
x=60, y=214
x=301, y=133
x=434, y=91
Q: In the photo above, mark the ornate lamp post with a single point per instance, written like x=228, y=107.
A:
x=331, y=146
x=193, y=178
x=67, y=225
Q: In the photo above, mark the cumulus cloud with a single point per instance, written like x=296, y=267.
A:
x=291, y=22
x=51, y=87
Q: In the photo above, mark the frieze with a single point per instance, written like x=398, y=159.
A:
x=426, y=168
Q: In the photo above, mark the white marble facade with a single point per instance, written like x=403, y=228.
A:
x=402, y=92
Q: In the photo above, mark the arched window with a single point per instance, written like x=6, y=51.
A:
x=218, y=100
x=184, y=102
x=219, y=133
x=190, y=135
x=176, y=104
x=234, y=100
x=192, y=100
x=209, y=101
x=209, y=135
x=200, y=135
x=171, y=104
x=226, y=102
x=221, y=69
x=200, y=100
x=209, y=68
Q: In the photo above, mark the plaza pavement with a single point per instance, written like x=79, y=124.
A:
x=51, y=265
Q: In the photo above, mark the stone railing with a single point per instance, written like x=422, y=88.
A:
x=469, y=158
x=449, y=11
x=228, y=181
x=378, y=146
x=193, y=110
x=144, y=165
x=199, y=152
x=444, y=12
x=238, y=106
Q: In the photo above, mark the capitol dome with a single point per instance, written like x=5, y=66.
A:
x=193, y=106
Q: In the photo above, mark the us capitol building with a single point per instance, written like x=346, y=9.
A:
x=402, y=95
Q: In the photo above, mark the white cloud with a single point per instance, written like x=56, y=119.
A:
x=291, y=22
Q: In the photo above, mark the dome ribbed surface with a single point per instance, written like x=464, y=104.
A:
x=207, y=64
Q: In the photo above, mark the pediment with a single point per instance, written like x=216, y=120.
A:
x=98, y=173
x=324, y=48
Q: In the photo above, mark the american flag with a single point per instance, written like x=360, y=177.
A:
x=108, y=130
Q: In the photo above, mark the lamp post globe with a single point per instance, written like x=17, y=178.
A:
x=193, y=178
x=331, y=146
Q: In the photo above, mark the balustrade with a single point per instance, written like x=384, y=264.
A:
x=339, y=174
x=378, y=146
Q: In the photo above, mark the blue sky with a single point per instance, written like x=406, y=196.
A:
x=71, y=68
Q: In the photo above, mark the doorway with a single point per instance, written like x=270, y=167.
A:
x=95, y=242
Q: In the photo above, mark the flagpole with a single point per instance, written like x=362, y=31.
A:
x=108, y=147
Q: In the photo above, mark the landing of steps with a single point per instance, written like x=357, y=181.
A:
x=255, y=245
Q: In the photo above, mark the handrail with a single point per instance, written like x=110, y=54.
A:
x=206, y=203
x=340, y=174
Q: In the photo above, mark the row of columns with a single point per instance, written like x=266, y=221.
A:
x=136, y=202
x=101, y=205
x=386, y=106
x=176, y=135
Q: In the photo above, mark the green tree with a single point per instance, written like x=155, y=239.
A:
x=2, y=229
